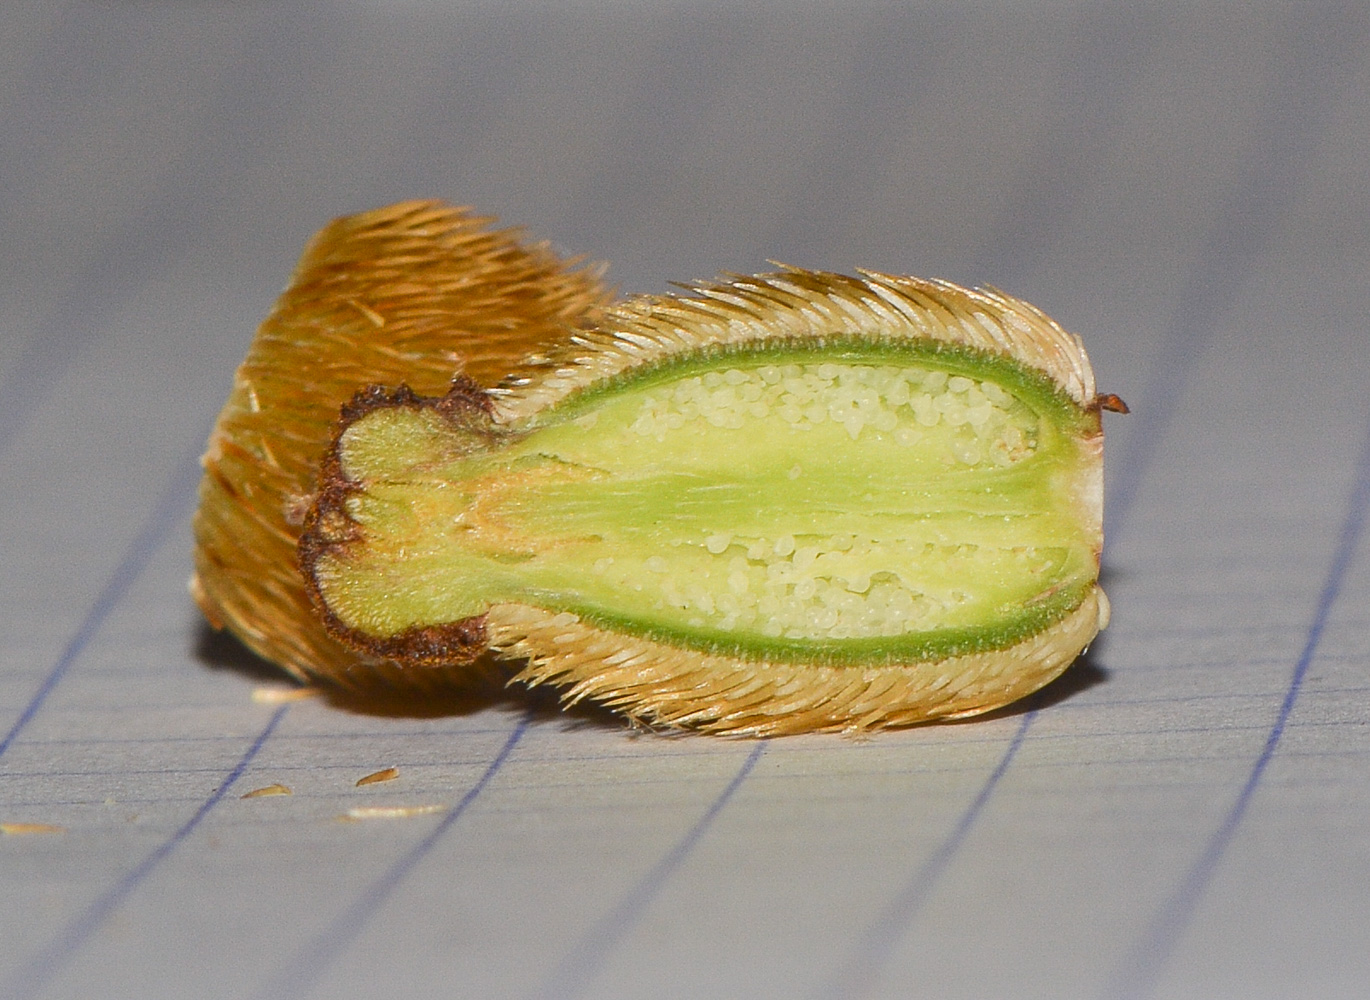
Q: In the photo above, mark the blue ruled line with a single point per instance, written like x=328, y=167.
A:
x=1243, y=229
x=857, y=976
x=1321, y=49
x=1136, y=975
x=575, y=973
x=39, y=971
x=298, y=977
x=174, y=502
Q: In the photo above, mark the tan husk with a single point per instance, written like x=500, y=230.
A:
x=414, y=293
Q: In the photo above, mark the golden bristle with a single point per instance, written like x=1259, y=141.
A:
x=414, y=293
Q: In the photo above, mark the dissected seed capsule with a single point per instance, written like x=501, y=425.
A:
x=413, y=293
x=787, y=503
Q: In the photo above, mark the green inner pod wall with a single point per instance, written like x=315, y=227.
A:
x=829, y=502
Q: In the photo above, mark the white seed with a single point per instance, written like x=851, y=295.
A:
x=718, y=543
x=925, y=410
x=996, y=395
x=966, y=452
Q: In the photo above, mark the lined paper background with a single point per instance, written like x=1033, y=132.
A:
x=1185, y=814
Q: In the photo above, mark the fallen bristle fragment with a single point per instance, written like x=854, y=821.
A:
x=391, y=812
x=266, y=791
x=376, y=777
x=21, y=829
x=282, y=695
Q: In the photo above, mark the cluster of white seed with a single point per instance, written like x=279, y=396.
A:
x=906, y=404
x=818, y=588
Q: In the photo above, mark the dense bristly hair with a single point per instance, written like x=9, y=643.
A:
x=415, y=293
x=663, y=685
x=803, y=306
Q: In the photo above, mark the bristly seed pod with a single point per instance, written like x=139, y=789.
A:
x=787, y=503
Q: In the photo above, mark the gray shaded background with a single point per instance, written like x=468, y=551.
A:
x=1186, y=814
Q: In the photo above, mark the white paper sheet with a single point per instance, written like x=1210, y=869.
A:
x=1185, y=814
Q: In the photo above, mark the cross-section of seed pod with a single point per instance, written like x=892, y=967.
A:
x=786, y=503
x=416, y=292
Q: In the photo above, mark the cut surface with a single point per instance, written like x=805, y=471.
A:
x=831, y=503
